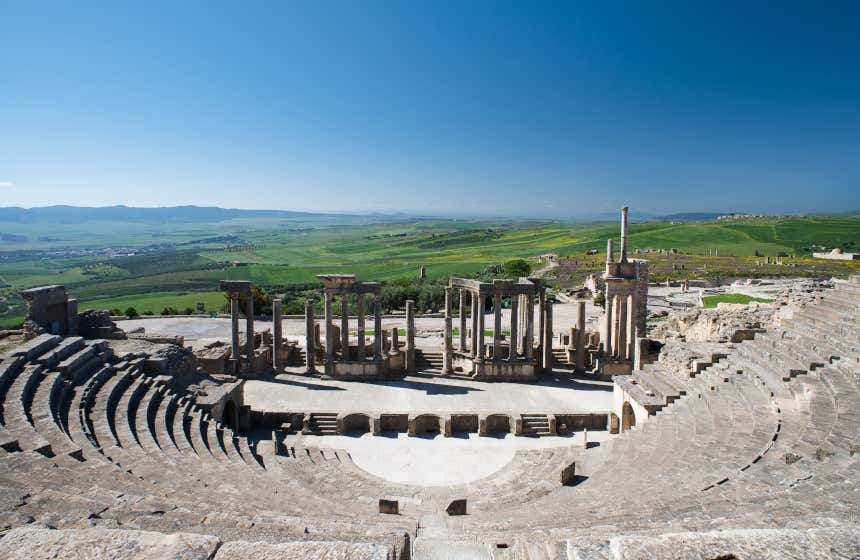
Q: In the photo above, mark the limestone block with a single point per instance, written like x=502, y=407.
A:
x=32, y=543
x=318, y=550
x=568, y=473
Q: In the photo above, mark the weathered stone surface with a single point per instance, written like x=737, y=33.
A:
x=32, y=543
x=333, y=550
x=843, y=542
x=716, y=325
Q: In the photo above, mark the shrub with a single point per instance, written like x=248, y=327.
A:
x=131, y=312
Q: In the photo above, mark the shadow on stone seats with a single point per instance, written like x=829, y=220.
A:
x=577, y=479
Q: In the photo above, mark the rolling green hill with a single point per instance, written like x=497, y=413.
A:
x=174, y=260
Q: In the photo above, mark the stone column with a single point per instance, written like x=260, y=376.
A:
x=497, y=326
x=310, y=336
x=395, y=341
x=620, y=342
x=234, y=324
x=377, y=327
x=547, y=339
x=580, y=337
x=515, y=334
x=329, y=331
x=623, y=255
x=344, y=327
x=479, y=349
x=475, y=314
x=630, y=335
x=463, y=320
x=249, y=328
x=410, y=336
x=448, y=350
x=609, y=256
x=361, y=327
x=276, y=335
x=541, y=307
x=608, y=327
x=529, y=341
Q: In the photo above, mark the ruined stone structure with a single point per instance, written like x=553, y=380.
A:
x=50, y=310
x=754, y=455
x=514, y=358
x=626, y=292
x=340, y=358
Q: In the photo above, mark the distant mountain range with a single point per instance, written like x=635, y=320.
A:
x=202, y=214
x=170, y=214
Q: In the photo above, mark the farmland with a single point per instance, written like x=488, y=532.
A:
x=151, y=266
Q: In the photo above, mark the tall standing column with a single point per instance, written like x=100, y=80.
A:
x=607, y=340
x=448, y=350
x=236, y=352
x=410, y=336
x=529, y=341
x=580, y=337
x=361, y=326
x=377, y=327
x=609, y=251
x=623, y=256
x=463, y=320
x=475, y=314
x=541, y=315
x=310, y=336
x=344, y=327
x=329, y=331
x=515, y=337
x=547, y=338
x=277, y=333
x=497, y=326
x=479, y=349
x=249, y=328
x=620, y=343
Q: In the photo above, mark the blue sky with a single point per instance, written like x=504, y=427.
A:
x=517, y=108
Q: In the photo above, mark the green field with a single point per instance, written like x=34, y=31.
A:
x=180, y=264
x=712, y=301
x=156, y=302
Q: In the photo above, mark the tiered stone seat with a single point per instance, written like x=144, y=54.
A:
x=767, y=437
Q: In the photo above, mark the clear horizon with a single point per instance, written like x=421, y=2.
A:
x=536, y=110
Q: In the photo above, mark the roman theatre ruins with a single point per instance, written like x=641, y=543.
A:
x=511, y=426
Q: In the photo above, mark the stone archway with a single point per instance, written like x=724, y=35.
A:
x=628, y=417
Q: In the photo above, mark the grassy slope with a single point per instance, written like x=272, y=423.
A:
x=713, y=301
x=294, y=251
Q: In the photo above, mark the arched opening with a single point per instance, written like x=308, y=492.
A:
x=427, y=424
x=230, y=416
x=356, y=424
x=497, y=424
x=628, y=417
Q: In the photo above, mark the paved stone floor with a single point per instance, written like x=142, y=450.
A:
x=436, y=461
x=417, y=394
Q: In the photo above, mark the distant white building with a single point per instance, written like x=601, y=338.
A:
x=837, y=254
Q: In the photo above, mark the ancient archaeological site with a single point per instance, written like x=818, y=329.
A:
x=623, y=420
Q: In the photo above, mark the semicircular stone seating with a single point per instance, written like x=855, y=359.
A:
x=765, y=438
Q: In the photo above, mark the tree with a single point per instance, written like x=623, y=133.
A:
x=516, y=268
x=600, y=299
x=262, y=304
x=165, y=311
x=131, y=313
x=188, y=311
x=431, y=296
x=115, y=312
